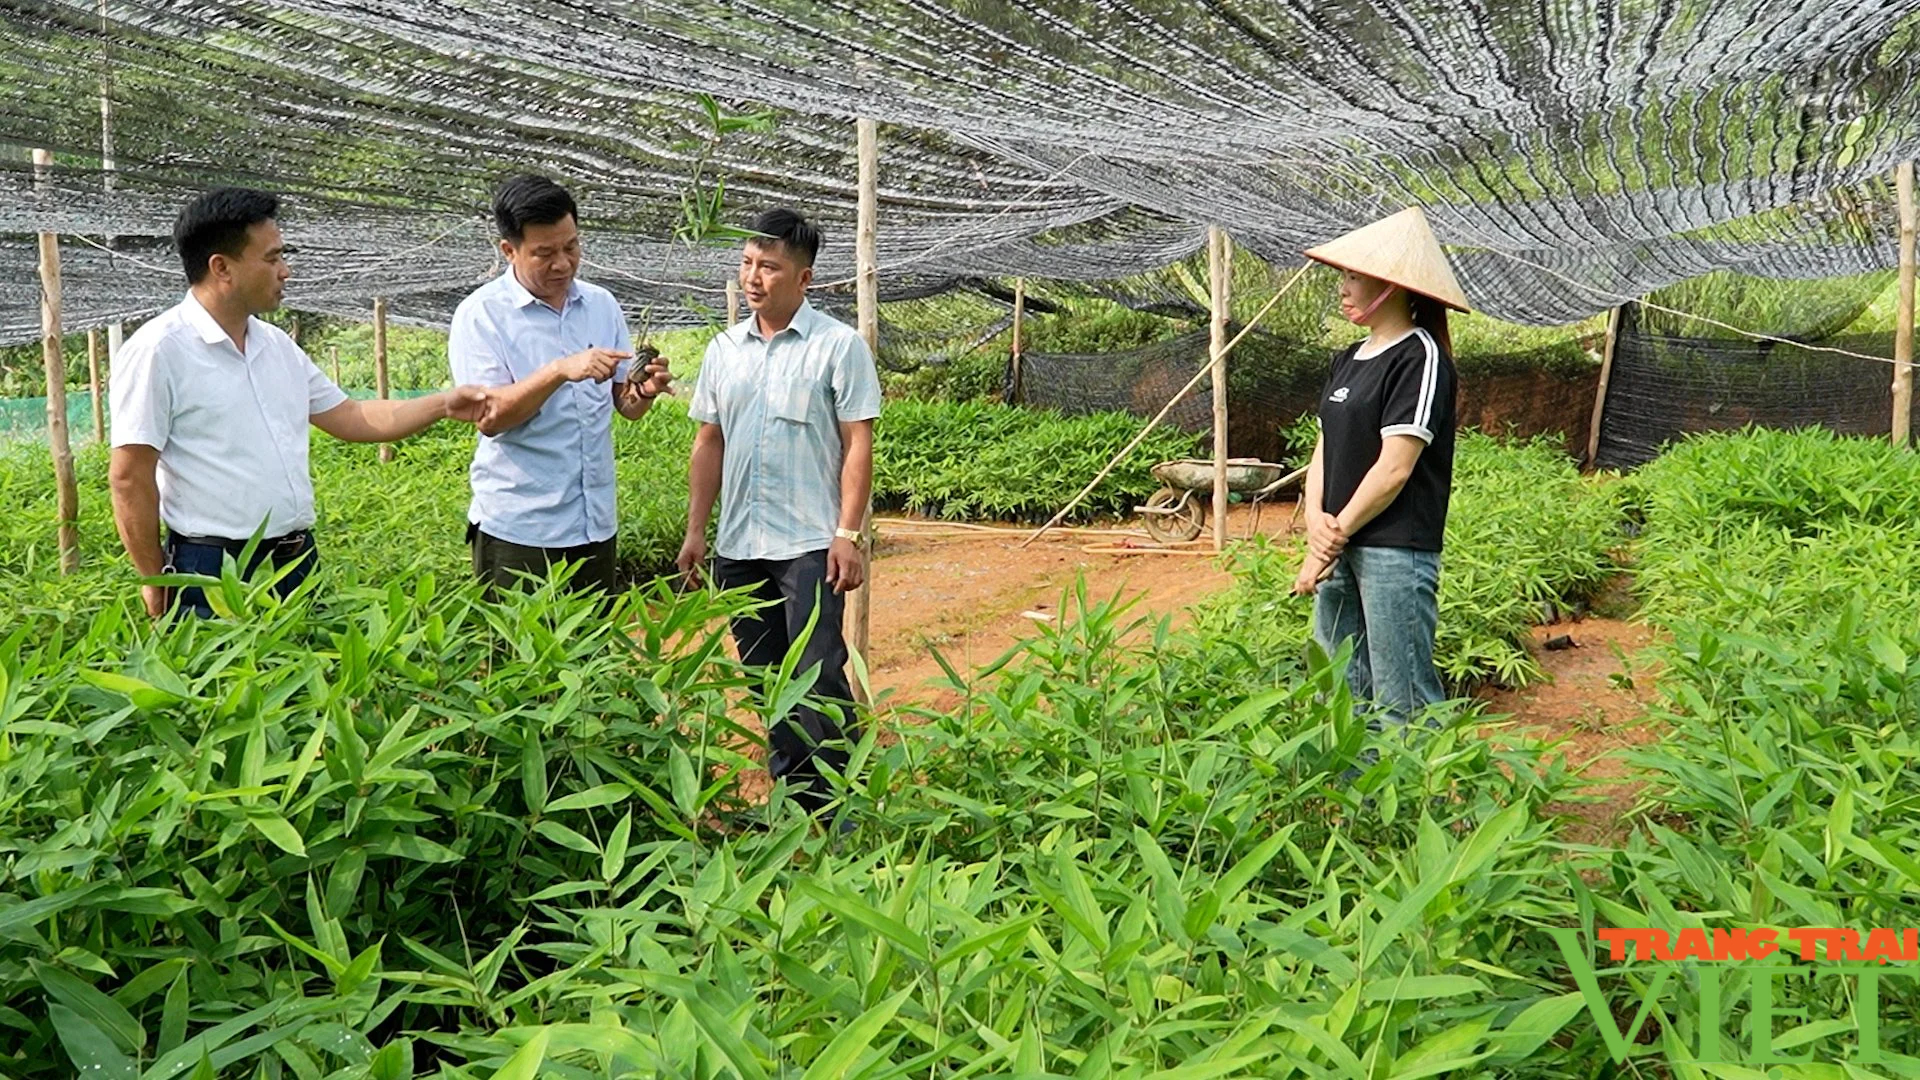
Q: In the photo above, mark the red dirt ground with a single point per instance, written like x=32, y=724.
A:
x=969, y=596
x=1592, y=712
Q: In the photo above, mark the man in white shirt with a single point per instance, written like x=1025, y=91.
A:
x=786, y=402
x=211, y=407
x=557, y=356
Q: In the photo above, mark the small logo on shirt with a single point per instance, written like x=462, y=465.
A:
x=1338, y=395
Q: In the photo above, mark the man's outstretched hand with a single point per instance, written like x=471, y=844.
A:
x=468, y=404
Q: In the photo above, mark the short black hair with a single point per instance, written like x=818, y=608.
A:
x=529, y=199
x=787, y=228
x=216, y=223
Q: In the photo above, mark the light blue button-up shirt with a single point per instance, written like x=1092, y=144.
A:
x=779, y=403
x=549, y=482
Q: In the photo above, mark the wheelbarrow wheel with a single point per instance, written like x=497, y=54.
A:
x=1181, y=523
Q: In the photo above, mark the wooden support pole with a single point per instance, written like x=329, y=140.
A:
x=867, y=298
x=1903, y=318
x=1600, y=390
x=93, y=386
x=1017, y=385
x=733, y=301
x=55, y=360
x=333, y=351
x=380, y=362
x=107, y=165
x=1220, y=270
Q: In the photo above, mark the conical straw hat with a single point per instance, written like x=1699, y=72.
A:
x=1400, y=249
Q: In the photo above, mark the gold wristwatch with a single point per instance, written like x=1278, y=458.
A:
x=849, y=534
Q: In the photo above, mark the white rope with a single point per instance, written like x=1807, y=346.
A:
x=677, y=286
x=169, y=271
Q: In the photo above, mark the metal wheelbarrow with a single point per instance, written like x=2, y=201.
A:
x=1178, y=512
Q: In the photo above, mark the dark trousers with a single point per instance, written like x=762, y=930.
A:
x=500, y=563
x=795, y=747
x=204, y=554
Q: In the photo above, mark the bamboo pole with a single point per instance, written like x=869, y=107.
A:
x=1220, y=271
x=1600, y=389
x=867, y=298
x=93, y=386
x=1903, y=319
x=733, y=301
x=333, y=351
x=58, y=441
x=1016, y=384
x=380, y=362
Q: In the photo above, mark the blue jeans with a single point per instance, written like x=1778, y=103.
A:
x=1387, y=600
x=194, y=556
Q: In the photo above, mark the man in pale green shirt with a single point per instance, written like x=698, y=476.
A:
x=786, y=402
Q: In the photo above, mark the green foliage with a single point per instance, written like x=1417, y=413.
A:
x=402, y=826
x=1526, y=536
x=977, y=375
x=277, y=836
x=969, y=460
x=1299, y=438
x=1801, y=310
x=386, y=829
x=703, y=210
x=683, y=351
x=1484, y=346
x=1804, y=482
x=1780, y=566
x=23, y=371
x=1093, y=325
x=416, y=358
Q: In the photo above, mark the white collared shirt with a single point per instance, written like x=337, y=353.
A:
x=779, y=403
x=231, y=428
x=549, y=482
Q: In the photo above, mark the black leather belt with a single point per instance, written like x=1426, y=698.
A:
x=293, y=540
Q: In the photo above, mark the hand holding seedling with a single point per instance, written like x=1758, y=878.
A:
x=653, y=379
x=1313, y=571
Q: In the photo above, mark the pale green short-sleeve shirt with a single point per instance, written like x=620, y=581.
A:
x=779, y=403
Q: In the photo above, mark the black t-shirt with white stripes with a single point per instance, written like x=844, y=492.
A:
x=1407, y=388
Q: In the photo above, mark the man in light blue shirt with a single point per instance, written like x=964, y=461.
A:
x=549, y=343
x=786, y=402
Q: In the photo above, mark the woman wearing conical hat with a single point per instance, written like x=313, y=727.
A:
x=1376, y=495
